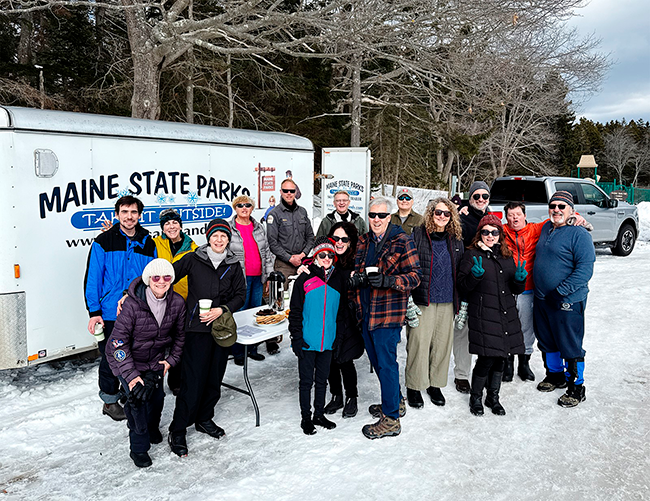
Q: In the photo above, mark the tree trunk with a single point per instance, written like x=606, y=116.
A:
x=231, y=98
x=26, y=22
x=189, y=88
x=399, y=152
x=355, y=139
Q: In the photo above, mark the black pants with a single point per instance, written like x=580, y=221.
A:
x=314, y=366
x=174, y=376
x=109, y=385
x=203, y=368
x=485, y=365
x=144, y=417
x=347, y=371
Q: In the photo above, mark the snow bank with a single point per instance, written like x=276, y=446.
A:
x=644, y=221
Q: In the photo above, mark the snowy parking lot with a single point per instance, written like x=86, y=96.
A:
x=56, y=445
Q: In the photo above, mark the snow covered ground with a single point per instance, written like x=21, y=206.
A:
x=56, y=445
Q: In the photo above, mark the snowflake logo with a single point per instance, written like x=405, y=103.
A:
x=171, y=199
x=192, y=198
x=161, y=199
x=124, y=192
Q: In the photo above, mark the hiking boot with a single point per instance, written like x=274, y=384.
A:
x=155, y=437
x=141, y=459
x=476, y=395
x=256, y=356
x=210, y=428
x=523, y=370
x=324, y=422
x=462, y=385
x=239, y=361
x=350, y=410
x=114, y=411
x=375, y=409
x=436, y=396
x=509, y=369
x=307, y=426
x=385, y=427
x=335, y=404
x=414, y=398
x=492, y=399
x=552, y=381
x=177, y=444
x=573, y=396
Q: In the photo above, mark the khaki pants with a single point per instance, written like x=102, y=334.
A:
x=428, y=347
x=462, y=356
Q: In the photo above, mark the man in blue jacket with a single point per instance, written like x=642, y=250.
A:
x=116, y=258
x=564, y=264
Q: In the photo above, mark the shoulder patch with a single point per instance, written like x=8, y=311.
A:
x=119, y=355
x=117, y=343
x=269, y=219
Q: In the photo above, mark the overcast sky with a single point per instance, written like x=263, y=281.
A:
x=624, y=28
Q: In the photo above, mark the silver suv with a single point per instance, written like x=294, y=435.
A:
x=616, y=224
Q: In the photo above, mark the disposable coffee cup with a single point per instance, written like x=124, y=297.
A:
x=205, y=305
x=99, y=332
x=371, y=270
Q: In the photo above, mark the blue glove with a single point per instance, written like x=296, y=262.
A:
x=477, y=269
x=520, y=272
x=554, y=299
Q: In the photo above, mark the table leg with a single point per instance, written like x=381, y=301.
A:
x=250, y=388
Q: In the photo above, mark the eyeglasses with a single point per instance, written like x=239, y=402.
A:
x=345, y=240
x=559, y=206
x=445, y=213
x=380, y=215
x=484, y=196
x=166, y=278
x=404, y=197
x=494, y=233
x=325, y=255
x=241, y=206
x=288, y=191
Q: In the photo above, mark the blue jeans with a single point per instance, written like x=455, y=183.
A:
x=254, y=289
x=381, y=347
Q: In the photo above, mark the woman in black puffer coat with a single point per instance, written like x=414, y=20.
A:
x=489, y=279
x=147, y=340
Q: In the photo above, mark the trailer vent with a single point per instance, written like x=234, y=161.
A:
x=45, y=163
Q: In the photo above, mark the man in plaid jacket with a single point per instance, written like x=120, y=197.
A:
x=382, y=296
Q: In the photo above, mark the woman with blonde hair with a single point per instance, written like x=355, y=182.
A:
x=439, y=242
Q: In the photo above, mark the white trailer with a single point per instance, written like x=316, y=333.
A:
x=60, y=176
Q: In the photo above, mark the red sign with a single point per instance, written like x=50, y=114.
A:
x=268, y=183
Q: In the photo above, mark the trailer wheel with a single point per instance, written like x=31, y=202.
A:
x=625, y=241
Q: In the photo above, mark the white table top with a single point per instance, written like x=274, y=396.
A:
x=249, y=332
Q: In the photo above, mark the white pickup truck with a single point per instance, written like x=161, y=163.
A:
x=616, y=224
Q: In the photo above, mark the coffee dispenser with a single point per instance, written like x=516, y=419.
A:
x=276, y=290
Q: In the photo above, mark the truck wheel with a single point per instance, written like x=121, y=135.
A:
x=625, y=241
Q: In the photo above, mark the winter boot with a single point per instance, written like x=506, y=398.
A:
x=509, y=369
x=576, y=391
x=414, y=398
x=209, y=427
x=385, y=427
x=523, y=371
x=155, y=437
x=177, y=444
x=375, y=409
x=436, y=396
x=552, y=381
x=476, y=394
x=307, y=426
x=335, y=404
x=492, y=399
x=141, y=459
x=350, y=410
x=462, y=385
x=324, y=422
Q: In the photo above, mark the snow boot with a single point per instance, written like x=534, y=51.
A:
x=576, y=391
x=462, y=385
x=155, y=437
x=177, y=444
x=209, y=427
x=350, y=410
x=523, y=371
x=509, y=369
x=324, y=422
x=141, y=459
x=436, y=396
x=307, y=426
x=335, y=404
x=385, y=427
x=414, y=398
x=476, y=394
x=492, y=399
x=552, y=381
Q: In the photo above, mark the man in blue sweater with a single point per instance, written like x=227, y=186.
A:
x=564, y=264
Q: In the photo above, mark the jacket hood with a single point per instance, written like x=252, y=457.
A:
x=137, y=290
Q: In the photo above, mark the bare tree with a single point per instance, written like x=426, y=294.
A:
x=641, y=158
x=619, y=151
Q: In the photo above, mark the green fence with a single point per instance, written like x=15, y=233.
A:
x=634, y=195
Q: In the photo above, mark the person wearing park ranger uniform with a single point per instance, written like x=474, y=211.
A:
x=564, y=264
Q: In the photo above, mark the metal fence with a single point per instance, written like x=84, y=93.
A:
x=634, y=195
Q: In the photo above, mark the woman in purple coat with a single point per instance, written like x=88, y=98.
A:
x=147, y=340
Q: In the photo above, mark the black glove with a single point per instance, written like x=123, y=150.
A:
x=151, y=380
x=554, y=299
x=358, y=281
x=297, y=345
x=379, y=280
x=136, y=394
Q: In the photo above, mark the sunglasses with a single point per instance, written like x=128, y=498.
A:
x=404, y=197
x=445, y=213
x=380, y=215
x=559, y=206
x=484, y=196
x=166, y=278
x=288, y=191
x=345, y=240
x=494, y=233
x=241, y=206
x=325, y=255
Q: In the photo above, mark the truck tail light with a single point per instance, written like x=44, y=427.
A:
x=16, y=271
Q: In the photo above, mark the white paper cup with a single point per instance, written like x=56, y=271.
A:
x=205, y=305
x=99, y=332
x=370, y=270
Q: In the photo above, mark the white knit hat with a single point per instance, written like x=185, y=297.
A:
x=159, y=267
